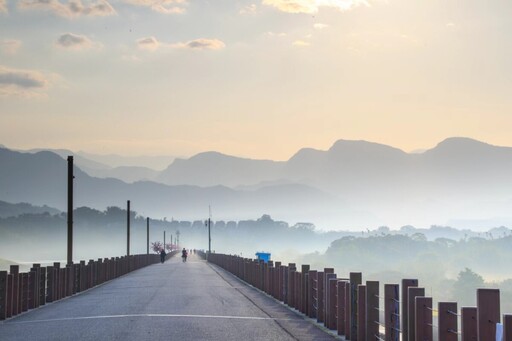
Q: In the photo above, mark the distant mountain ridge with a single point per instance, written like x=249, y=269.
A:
x=352, y=183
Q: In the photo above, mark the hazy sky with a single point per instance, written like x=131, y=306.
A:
x=252, y=78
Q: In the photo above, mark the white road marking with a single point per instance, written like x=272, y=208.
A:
x=148, y=315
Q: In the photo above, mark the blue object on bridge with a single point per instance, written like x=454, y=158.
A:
x=264, y=256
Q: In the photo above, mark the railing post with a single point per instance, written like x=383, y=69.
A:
x=26, y=291
x=333, y=303
x=340, y=311
x=423, y=318
x=406, y=284
x=356, y=278
x=49, y=284
x=372, y=310
x=468, y=324
x=348, y=302
x=507, y=327
x=488, y=313
x=42, y=286
x=304, y=288
x=14, y=270
x=413, y=292
x=312, y=279
x=361, y=312
x=447, y=321
x=32, y=289
x=392, y=312
x=330, y=300
x=9, y=298
x=3, y=295
x=320, y=309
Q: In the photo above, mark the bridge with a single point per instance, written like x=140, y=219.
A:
x=138, y=298
x=230, y=298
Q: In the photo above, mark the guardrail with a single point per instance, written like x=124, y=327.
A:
x=20, y=292
x=354, y=310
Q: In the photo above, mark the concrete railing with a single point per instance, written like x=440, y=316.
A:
x=20, y=292
x=360, y=312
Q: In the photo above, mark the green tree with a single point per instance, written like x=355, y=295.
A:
x=464, y=289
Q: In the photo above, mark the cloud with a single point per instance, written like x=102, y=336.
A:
x=10, y=47
x=312, y=6
x=249, y=9
x=149, y=43
x=152, y=44
x=201, y=44
x=162, y=6
x=3, y=6
x=320, y=26
x=75, y=42
x=71, y=9
x=14, y=82
x=301, y=43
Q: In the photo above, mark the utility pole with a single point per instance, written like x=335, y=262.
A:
x=70, y=210
x=209, y=229
x=147, y=233
x=128, y=228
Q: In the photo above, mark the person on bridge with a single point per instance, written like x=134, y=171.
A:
x=162, y=256
x=184, y=254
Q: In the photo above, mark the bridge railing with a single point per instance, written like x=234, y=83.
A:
x=20, y=292
x=360, y=312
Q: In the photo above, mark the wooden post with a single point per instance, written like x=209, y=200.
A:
x=348, y=301
x=406, y=284
x=3, y=295
x=392, y=312
x=319, y=297
x=26, y=291
x=312, y=279
x=341, y=307
x=356, y=278
x=507, y=327
x=447, y=325
x=372, y=310
x=328, y=317
x=423, y=318
x=9, y=298
x=14, y=270
x=361, y=312
x=304, y=288
x=413, y=292
x=488, y=313
x=468, y=323
x=332, y=301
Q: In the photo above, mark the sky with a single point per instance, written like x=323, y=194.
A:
x=258, y=79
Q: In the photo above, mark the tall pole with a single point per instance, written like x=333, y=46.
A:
x=171, y=242
x=128, y=228
x=164, y=240
x=70, y=210
x=209, y=234
x=209, y=237
x=147, y=233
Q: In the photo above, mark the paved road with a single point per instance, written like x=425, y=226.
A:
x=171, y=301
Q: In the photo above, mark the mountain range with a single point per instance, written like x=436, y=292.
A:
x=354, y=184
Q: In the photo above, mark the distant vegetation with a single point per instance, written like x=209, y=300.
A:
x=449, y=263
x=449, y=269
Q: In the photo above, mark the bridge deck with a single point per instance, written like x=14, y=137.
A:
x=171, y=301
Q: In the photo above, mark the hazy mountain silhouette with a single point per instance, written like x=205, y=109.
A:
x=41, y=178
x=212, y=169
x=354, y=183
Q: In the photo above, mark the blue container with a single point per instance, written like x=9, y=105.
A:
x=264, y=256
